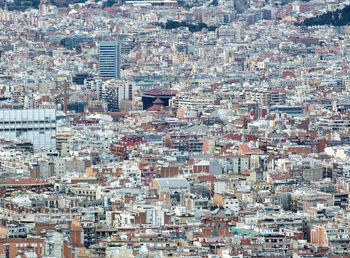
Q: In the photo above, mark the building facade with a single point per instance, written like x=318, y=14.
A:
x=38, y=126
x=109, y=56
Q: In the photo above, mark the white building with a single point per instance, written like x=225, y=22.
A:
x=37, y=126
x=155, y=217
x=118, y=93
x=232, y=204
x=234, y=163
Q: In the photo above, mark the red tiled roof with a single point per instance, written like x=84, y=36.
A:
x=2, y=141
x=206, y=178
x=232, y=136
x=158, y=101
x=245, y=242
x=155, y=108
x=281, y=176
x=21, y=240
x=117, y=114
x=23, y=181
x=245, y=149
x=288, y=74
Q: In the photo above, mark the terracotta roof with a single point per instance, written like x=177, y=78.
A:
x=288, y=74
x=245, y=242
x=232, y=136
x=75, y=224
x=22, y=181
x=231, y=156
x=21, y=240
x=206, y=178
x=116, y=114
x=245, y=149
x=2, y=141
x=155, y=108
x=299, y=134
x=281, y=176
x=158, y=101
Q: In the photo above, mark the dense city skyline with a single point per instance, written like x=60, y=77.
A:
x=174, y=128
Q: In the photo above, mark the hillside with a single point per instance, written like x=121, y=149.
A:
x=21, y=5
x=336, y=18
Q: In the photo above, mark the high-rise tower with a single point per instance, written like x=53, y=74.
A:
x=109, y=55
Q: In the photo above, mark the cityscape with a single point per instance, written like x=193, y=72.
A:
x=174, y=128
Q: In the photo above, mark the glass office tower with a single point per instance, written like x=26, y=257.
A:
x=109, y=55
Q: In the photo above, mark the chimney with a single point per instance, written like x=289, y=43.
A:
x=65, y=98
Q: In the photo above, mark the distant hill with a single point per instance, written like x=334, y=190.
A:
x=336, y=18
x=21, y=5
x=191, y=27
